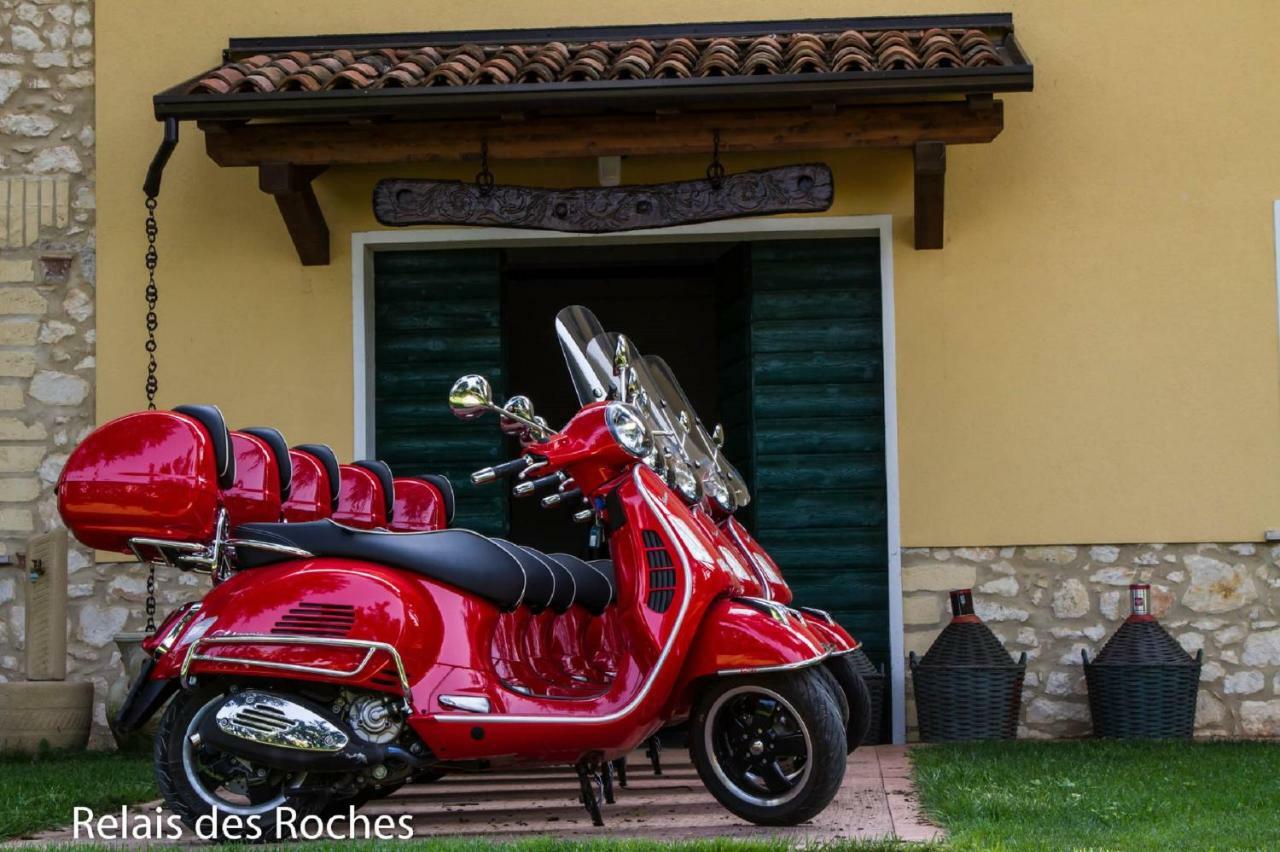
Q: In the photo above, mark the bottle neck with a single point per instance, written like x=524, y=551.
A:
x=1140, y=602
x=962, y=607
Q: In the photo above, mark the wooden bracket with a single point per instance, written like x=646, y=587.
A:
x=930, y=179
x=291, y=186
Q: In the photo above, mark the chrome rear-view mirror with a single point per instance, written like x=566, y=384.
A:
x=470, y=397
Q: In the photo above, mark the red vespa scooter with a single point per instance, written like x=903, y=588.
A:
x=328, y=660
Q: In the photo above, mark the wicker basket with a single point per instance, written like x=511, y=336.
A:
x=874, y=679
x=967, y=687
x=1142, y=684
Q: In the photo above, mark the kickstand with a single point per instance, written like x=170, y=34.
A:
x=606, y=775
x=654, y=750
x=620, y=771
x=592, y=791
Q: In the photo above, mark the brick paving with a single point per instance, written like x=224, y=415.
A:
x=876, y=801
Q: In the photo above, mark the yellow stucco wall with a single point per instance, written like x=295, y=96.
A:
x=1092, y=358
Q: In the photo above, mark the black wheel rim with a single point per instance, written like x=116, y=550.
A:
x=758, y=745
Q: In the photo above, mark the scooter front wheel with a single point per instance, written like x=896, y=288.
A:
x=771, y=747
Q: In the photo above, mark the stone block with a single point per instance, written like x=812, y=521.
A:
x=1260, y=718
x=1217, y=586
x=55, y=388
x=1262, y=649
x=13, y=429
x=1243, y=683
x=17, y=272
x=938, y=577
x=1071, y=599
x=16, y=520
x=19, y=490
x=922, y=609
x=12, y=398
x=1057, y=555
x=17, y=364
x=20, y=459
x=21, y=300
x=18, y=333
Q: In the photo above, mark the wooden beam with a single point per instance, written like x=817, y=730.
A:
x=543, y=137
x=930, y=178
x=290, y=184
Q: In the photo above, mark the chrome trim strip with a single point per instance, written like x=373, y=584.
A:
x=265, y=639
x=272, y=547
x=469, y=703
x=784, y=667
x=657, y=666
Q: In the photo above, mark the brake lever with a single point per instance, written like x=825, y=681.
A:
x=559, y=497
x=529, y=486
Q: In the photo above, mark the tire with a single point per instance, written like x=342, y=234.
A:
x=837, y=693
x=188, y=791
x=858, y=697
x=791, y=769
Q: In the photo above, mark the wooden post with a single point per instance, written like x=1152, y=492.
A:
x=930, y=178
x=46, y=630
x=291, y=186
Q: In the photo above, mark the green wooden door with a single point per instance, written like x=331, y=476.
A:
x=809, y=373
x=437, y=315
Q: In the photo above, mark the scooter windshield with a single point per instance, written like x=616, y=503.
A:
x=698, y=444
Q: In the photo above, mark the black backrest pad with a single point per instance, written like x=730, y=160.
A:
x=446, y=491
x=594, y=591
x=329, y=459
x=279, y=451
x=605, y=567
x=458, y=558
x=539, y=584
x=211, y=419
x=566, y=588
x=382, y=470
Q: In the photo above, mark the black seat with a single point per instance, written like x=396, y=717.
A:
x=445, y=487
x=210, y=417
x=540, y=583
x=565, y=589
x=460, y=558
x=279, y=451
x=329, y=461
x=594, y=591
x=605, y=567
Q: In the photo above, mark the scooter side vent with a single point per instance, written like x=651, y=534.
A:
x=662, y=573
x=387, y=677
x=317, y=619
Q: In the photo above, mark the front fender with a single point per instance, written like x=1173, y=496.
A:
x=743, y=636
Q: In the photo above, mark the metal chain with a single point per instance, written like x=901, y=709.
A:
x=152, y=383
x=484, y=177
x=715, y=171
x=153, y=295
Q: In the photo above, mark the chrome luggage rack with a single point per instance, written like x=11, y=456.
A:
x=371, y=647
x=204, y=558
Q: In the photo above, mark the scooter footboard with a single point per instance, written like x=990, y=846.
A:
x=742, y=636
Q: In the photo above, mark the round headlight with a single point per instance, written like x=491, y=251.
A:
x=628, y=429
x=684, y=482
x=715, y=488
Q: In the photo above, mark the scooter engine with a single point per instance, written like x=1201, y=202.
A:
x=373, y=718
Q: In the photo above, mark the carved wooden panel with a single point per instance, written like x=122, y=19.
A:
x=806, y=188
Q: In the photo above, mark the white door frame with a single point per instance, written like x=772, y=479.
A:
x=365, y=243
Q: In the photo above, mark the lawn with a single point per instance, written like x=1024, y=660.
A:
x=1096, y=794
x=39, y=792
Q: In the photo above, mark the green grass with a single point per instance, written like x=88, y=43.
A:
x=1103, y=795
x=39, y=792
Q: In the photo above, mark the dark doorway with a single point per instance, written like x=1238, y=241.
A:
x=663, y=297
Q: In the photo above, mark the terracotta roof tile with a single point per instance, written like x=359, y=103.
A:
x=842, y=52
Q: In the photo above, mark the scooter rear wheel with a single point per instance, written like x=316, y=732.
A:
x=855, y=691
x=195, y=779
x=771, y=747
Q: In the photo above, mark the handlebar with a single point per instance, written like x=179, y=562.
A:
x=489, y=474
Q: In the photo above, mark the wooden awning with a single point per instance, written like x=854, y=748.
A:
x=294, y=106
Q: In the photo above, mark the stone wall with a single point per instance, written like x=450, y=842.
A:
x=1054, y=601
x=47, y=314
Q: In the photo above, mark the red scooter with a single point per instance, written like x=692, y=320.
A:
x=330, y=663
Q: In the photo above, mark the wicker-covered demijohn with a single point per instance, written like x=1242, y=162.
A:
x=874, y=679
x=967, y=687
x=1142, y=684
